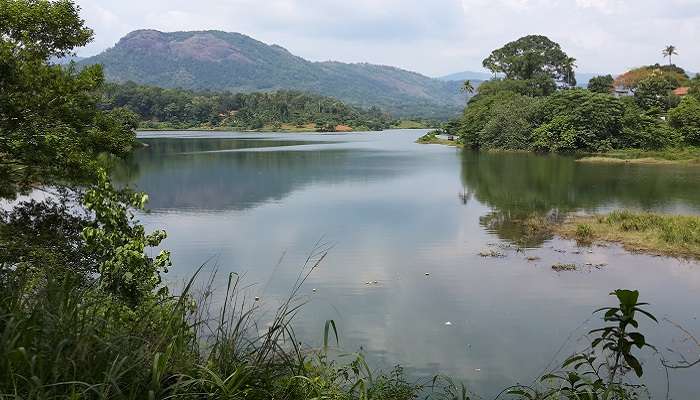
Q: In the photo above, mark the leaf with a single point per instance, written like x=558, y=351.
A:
x=638, y=339
x=573, y=359
x=634, y=364
x=550, y=376
x=648, y=314
x=520, y=392
x=329, y=324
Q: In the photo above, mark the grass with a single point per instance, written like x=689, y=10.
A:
x=444, y=142
x=431, y=138
x=672, y=235
x=68, y=340
x=674, y=155
x=409, y=124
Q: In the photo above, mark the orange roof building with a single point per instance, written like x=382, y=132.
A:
x=681, y=91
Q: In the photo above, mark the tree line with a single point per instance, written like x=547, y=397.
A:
x=181, y=109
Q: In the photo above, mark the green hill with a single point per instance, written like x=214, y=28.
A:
x=234, y=62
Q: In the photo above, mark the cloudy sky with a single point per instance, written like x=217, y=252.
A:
x=434, y=37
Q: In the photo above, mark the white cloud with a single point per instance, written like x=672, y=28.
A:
x=433, y=37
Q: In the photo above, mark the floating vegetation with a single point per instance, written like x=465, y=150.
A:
x=559, y=267
x=491, y=253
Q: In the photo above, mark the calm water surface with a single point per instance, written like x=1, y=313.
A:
x=395, y=210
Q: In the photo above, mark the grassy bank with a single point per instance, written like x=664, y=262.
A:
x=436, y=140
x=677, y=155
x=671, y=235
x=432, y=138
x=284, y=128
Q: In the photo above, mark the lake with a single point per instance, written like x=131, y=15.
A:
x=392, y=211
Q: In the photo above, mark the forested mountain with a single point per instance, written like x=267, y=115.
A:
x=231, y=61
x=290, y=110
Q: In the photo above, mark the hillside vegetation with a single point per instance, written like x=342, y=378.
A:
x=234, y=62
x=159, y=108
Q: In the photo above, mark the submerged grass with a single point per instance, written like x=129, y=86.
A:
x=672, y=235
x=675, y=155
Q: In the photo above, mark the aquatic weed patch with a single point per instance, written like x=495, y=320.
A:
x=672, y=235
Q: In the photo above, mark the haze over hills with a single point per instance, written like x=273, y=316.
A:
x=464, y=75
x=232, y=61
x=582, y=78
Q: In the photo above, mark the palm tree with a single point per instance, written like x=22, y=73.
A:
x=467, y=87
x=569, y=66
x=669, y=52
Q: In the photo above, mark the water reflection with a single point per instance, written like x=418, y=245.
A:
x=215, y=175
x=517, y=186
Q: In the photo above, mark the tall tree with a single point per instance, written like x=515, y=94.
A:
x=529, y=57
x=569, y=66
x=670, y=51
x=50, y=128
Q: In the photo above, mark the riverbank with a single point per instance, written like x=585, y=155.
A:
x=682, y=155
x=284, y=128
x=669, y=235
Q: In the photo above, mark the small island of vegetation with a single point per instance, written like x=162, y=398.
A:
x=674, y=235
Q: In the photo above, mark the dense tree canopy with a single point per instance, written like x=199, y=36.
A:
x=527, y=111
x=50, y=129
x=178, y=108
x=530, y=57
x=656, y=91
x=535, y=87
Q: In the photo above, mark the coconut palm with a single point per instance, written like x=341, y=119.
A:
x=669, y=52
x=467, y=87
x=569, y=66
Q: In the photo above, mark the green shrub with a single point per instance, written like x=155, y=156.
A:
x=584, y=232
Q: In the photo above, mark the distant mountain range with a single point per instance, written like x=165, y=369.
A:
x=231, y=61
x=65, y=60
x=464, y=75
x=582, y=78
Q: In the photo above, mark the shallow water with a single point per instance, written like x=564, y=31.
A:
x=393, y=211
